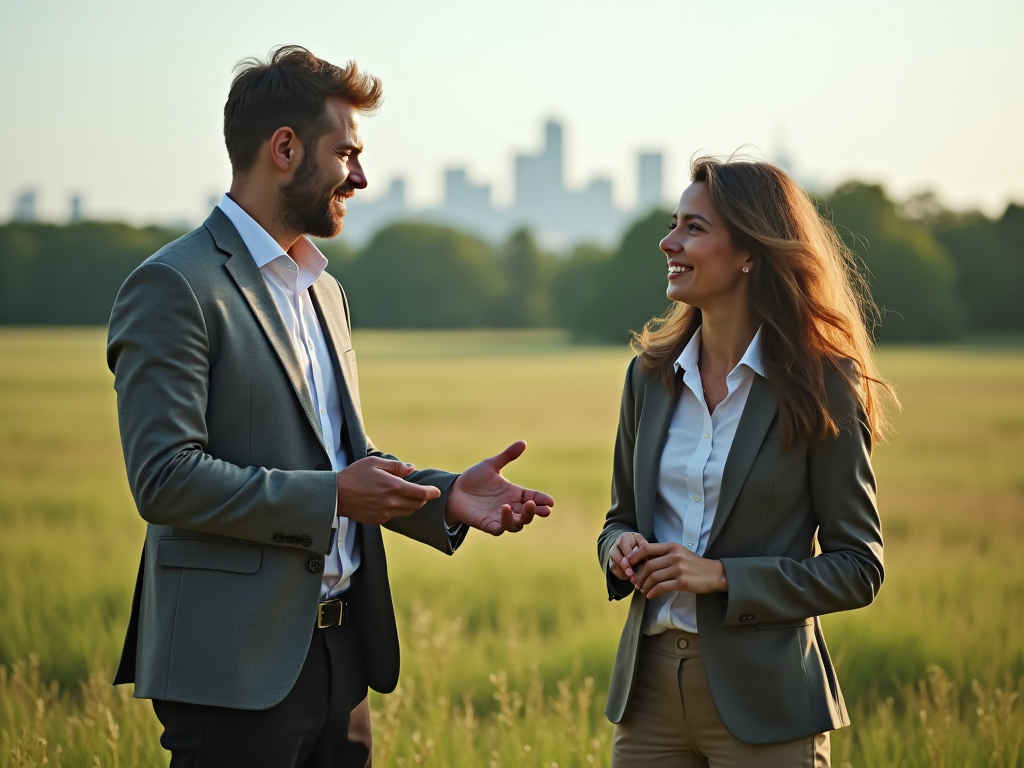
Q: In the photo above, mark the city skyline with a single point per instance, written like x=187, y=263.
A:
x=558, y=214
x=121, y=102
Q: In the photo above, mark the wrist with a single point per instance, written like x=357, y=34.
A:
x=723, y=580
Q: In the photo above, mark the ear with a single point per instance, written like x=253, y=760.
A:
x=285, y=149
x=748, y=263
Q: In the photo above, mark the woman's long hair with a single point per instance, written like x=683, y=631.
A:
x=812, y=302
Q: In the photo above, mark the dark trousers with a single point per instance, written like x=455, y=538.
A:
x=323, y=722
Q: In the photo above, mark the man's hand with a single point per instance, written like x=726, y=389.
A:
x=483, y=499
x=674, y=568
x=625, y=545
x=372, y=491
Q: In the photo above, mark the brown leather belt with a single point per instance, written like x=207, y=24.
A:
x=331, y=613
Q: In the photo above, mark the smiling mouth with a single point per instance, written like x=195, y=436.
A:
x=675, y=270
x=339, y=200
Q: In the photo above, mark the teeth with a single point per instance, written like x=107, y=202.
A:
x=673, y=268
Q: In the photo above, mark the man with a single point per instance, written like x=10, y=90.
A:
x=262, y=609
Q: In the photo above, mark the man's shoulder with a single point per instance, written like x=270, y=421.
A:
x=191, y=254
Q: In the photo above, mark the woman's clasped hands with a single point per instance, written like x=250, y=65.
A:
x=655, y=568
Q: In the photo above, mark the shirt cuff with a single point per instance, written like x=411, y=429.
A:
x=334, y=535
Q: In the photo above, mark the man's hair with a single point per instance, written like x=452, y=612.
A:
x=289, y=89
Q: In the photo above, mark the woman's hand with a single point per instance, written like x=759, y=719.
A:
x=673, y=568
x=624, y=546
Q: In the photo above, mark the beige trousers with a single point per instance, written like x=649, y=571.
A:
x=671, y=721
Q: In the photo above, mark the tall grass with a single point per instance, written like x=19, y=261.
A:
x=507, y=646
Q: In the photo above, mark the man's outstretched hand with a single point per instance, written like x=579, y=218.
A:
x=483, y=499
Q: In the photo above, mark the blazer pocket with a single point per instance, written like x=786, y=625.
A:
x=181, y=552
x=792, y=624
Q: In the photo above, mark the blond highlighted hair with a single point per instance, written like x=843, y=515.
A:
x=815, y=310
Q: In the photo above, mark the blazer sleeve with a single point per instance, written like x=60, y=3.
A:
x=159, y=352
x=426, y=525
x=849, y=571
x=621, y=517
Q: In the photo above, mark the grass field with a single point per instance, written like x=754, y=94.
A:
x=508, y=645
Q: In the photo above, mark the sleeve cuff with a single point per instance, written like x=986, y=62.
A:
x=456, y=535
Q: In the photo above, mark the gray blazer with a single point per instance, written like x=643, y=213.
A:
x=227, y=466
x=764, y=653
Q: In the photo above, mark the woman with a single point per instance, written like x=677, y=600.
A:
x=743, y=498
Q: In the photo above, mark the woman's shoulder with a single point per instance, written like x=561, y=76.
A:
x=638, y=376
x=844, y=390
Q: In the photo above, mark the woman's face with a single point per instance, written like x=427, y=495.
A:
x=704, y=268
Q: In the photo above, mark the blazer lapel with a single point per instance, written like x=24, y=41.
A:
x=250, y=282
x=330, y=310
x=658, y=409
x=758, y=414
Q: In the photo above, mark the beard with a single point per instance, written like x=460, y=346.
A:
x=307, y=202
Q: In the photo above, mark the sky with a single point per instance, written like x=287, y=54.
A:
x=121, y=101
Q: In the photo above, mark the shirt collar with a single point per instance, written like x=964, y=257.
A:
x=690, y=356
x=264, y=249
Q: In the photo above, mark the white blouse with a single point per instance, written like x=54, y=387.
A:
x=690, y=474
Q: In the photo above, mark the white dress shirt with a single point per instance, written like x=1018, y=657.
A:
x=288, y=277
x=690, y=474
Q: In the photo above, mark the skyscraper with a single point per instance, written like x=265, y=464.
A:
x=460, y=194
x=25, y=206
x=539, y=187
x=650, y=189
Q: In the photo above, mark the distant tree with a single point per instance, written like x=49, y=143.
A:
x=911, y=275
x=630, y=286
x=929, y=269
x=413, y=275
x=575, y=283
x=341, y=257
x=526, y=296
x=989, y=259
x=1011, y=229
x=69, y=275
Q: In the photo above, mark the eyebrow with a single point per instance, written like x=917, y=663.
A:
x=691, y=217
x=349, y=145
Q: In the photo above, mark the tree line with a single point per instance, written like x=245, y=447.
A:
x=935, y=273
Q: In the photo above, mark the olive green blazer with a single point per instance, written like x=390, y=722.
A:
x=227, y=466
x=763, y=649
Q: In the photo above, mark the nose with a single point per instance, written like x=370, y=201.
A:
x=669, y=245
x=356, y=175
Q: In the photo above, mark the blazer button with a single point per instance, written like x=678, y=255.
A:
x=748, y=617
x=305, y=541
x=321, y=467
x=315, y=565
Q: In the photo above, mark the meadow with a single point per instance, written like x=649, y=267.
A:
x=508, y=645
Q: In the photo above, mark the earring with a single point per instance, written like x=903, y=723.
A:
x=746, y=269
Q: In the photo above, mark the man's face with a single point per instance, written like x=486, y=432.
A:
x=313, y=202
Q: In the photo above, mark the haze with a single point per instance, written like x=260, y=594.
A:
x=121, y=101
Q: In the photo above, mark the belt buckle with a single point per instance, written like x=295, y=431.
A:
x=323, y=622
